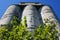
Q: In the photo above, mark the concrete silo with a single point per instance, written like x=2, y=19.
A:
x=48, y=13
x=12, y=11
x=32, y=18
x=35, y=13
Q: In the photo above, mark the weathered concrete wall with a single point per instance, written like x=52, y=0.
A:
x=47, y=13
x=31, y=14
x=8, y=15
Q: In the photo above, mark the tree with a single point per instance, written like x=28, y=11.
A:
x=20, y=32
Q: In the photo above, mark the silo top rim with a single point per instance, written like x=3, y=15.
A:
x=29, y=2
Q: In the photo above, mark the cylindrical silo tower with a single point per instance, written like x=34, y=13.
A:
x=47, y=13
x=32, y=18
x=12, y=11
x=33, y=14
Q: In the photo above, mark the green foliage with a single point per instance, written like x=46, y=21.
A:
x=20, y=32
x=45, y=33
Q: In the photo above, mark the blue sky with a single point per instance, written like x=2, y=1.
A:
x=55, y=4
